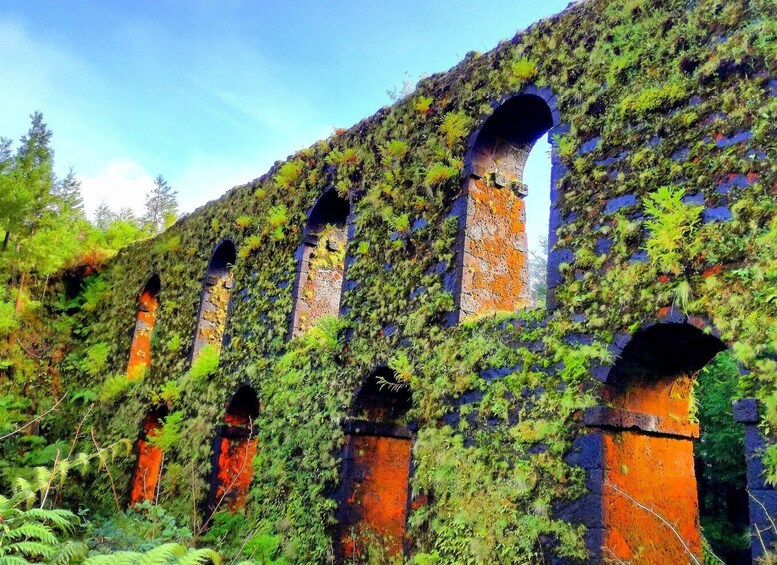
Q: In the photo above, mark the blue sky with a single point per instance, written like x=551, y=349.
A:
x=210, y=93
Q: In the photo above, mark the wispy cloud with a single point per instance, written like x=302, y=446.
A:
x=123, y=183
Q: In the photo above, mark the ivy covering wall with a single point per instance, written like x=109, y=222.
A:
x=666, y=173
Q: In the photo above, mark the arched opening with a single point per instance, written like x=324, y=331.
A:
x=234, y=451
x=537, y=178
x=321, y=266
x=148, y=463
x=651, y=488
x=214, y=302
x=494, y=255
x=140, y=351
x=376, y=469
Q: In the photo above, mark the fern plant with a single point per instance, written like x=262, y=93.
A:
x=166, y=554
x=671, y=223
x=37, y=534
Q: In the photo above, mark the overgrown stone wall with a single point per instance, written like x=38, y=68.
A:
x=662, y=205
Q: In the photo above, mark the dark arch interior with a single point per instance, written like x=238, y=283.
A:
x=329, y=209
x=153, y=286
x=520, y=121
x=382, y=397
x=665, y=350
x=224, y=256
x=155, y=416
x=244, y=403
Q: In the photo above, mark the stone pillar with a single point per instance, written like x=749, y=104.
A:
x=763, y=497
x=640, y=475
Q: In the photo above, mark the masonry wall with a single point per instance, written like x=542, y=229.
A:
x=652, y=98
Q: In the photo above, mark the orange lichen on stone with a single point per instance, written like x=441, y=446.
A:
x=140, y=352
x=320, y=279
x=145, y=478
x=495, y=269
x=647, y=475
x=235, y=466
x=377, y=495
x=662, y=396
x=213, y=315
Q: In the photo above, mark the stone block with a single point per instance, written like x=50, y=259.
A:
x=738, y=137
x=694, y=198
x=718, y=214
x=681, y=154
x=587, y=451
x=620, y=202
x=586, y=510
x=762, y=517
x=771, y=87
x=589, y=145
x=603, y=245
x=746, y=410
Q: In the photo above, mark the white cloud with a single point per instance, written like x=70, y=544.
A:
x=123, y=183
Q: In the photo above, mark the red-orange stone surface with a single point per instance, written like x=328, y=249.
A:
x=655, y=471
x=495, y=271
x=377, y=493
x=235, y=467
x=148, y=467
x=140, y=353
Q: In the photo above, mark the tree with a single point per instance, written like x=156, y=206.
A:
x=27, y=181
x=68, y=194
x=538, y=272
x=103, y=216
x=161, y=206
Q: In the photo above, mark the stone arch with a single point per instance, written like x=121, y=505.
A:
x=145, y=319
x=321, y=262
x=492, y=253
x=144, y=484
x=648, y=443
x=375, y=496
x=234, y=449
x=214, y=300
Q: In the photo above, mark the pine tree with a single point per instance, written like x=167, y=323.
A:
x=103, y=216
x=68, y=194
x=161, y=206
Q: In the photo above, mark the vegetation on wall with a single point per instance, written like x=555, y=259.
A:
x=653, y=120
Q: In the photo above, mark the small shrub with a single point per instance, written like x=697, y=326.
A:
x=523, y=69
x=169, y=434
x=243, y=222
x=395, y=149
x=670, y=226
x=439, y=173
x=653, y=99
x=288, y=174
x=252, y=243
x=206, y=363
x=167, y=244
x=423, y=105
x=565, y=146
x=170, y=392
x=454, y=127
x=400, y=223
x=346, y=157
x=277, y=216
x=114, y=386
x=96, y=359
x=175, y=343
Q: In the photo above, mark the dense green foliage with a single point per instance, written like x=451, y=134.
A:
x=720, y=461
x=490, y=483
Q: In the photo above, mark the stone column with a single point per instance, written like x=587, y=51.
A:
x=763, y=497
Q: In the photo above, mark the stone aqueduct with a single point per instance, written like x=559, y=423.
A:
x=642, y=420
